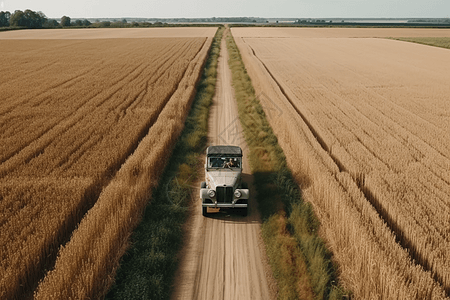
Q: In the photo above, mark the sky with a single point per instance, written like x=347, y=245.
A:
x=234, y=8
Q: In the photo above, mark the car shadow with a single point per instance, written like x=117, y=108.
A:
x=228, y=215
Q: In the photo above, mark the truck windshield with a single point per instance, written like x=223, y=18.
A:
x=224, y=162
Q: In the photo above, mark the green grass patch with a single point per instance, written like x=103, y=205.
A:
x=148, y=267
x=300, y=261
x=443, y=42
x=11, y=28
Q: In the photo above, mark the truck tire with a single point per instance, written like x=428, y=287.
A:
x=244, y=185
x=244, y=211
x=203, y=185
x=204, y=211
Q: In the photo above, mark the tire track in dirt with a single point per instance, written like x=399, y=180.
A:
x=224, y=255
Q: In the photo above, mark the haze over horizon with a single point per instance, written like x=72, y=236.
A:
x=234, y=8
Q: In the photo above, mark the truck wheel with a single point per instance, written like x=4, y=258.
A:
x=244, y=211
x=244, y=185
x=204, y=211
x=203, y=185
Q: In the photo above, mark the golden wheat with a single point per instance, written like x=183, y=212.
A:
x=71, y=113
x=363, y=127
x=95, y=248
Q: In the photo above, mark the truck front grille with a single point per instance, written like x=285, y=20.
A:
x=224, y=194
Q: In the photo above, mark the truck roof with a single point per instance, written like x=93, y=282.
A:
x=224, y=151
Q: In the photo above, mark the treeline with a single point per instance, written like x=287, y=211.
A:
x=444, y=20
x=27, y=18
x=32, y=19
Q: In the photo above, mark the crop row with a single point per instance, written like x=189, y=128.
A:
x=85, y=267
x=88, y=106
x=370, y=153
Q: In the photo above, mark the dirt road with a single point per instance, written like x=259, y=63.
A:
x=223, y=256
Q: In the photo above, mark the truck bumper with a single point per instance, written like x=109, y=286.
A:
x=224, y=205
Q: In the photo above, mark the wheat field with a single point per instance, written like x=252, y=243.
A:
x=363, y=122
x=87, y=126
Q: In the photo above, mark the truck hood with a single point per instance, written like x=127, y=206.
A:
x=223, y=177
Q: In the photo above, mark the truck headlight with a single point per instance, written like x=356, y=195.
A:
x=211, y=193
x=237, y=194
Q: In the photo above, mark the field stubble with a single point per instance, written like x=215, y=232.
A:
x=363, y=127
x=72, y=114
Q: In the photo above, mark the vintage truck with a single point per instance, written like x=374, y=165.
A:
x=223, y=186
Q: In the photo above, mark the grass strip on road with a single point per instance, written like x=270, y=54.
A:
x=148, y=268
x=301, y=263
